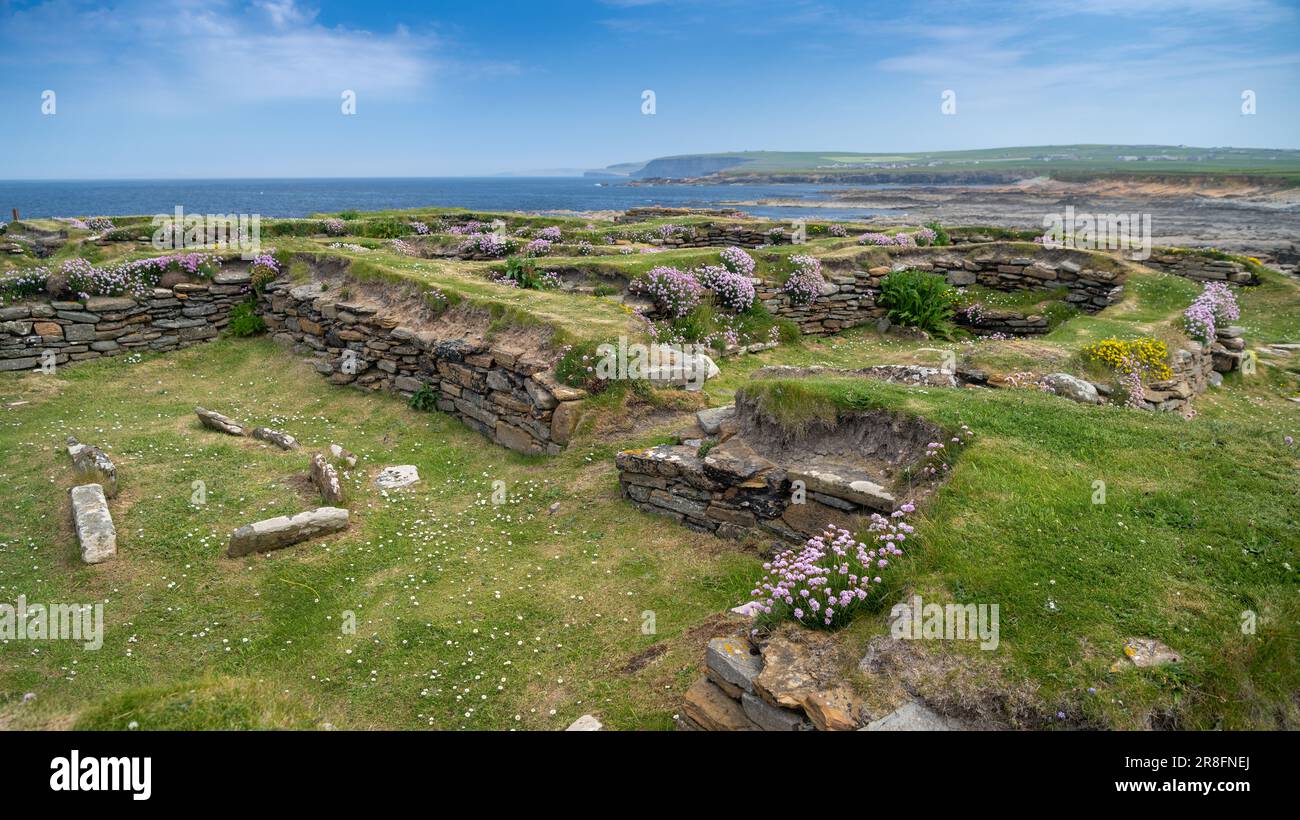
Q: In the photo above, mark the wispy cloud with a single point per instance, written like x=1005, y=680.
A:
x=217, y=52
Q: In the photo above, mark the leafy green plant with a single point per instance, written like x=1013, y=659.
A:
x=918, y=299
x=244, y=320
x=522, y=272
x=941, y=236
x=426, y=398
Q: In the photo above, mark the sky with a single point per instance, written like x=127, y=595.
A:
x=190, y=89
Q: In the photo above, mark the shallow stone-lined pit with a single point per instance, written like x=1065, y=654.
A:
x=762, y=478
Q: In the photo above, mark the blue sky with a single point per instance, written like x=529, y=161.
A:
x=234, y=89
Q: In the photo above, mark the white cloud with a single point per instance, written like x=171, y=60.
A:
x=214, y=52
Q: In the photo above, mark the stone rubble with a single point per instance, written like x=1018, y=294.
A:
x=326, y=479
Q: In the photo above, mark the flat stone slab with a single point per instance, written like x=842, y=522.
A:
x=709, y=708
x=222, y=424
x=711, y=420
x=280, y=439
x=286, y=530
x=397, y=477
x=94, y=525
x=93, y=466
x=842, y=484
x=326, y=479
x=1148, y=652
x=911, y=717
x=730, y=660
x=586, y=723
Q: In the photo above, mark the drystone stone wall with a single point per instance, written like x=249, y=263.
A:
x=507, y=395
x=1201, y=268
x=849, y=297
x=64, y=332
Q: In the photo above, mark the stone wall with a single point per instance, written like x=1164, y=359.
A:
x=722, y=236
x=1201, y=268
x=849, y=297
x=507, y=394
x=74, y=331
x=735, y=491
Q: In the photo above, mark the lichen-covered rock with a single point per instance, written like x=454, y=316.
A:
x=220, y=423
x=93, y=466
x=94, y=524
x=326, y=479
x=286, y=530
x=280, y=439
x=1072, y=388
x=397, y=477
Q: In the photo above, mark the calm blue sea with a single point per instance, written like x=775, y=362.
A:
x=301, y=197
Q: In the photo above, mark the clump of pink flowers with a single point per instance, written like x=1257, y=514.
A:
x=674, y=291
x=838, y=230
x=737, y=261
x=419, y=227
x=1215, y=304
x=466, y=229
x=937, y=453
x=537, y=247
x=335, y=227
x=550, y=234
x=486, y=244
x=732, y=290
x=899, y=239
x=806, y=282
x=823, y=583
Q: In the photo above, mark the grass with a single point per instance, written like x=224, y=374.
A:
x=467, y=614
x=1199, y=524
x=474, y=615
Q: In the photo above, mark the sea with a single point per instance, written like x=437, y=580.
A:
x=303, y=197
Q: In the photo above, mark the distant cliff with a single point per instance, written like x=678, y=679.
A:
x=687, y=166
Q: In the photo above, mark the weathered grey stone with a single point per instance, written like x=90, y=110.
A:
x=95, y=531
x=856, y=488
x=771, y=718
x=710, y=420
x=1147, y=652
x=284, y=531
x=343, y=455
x=326, y=479
x=277, y=437
x=732, y=661
x=1072, y=388
x=397, y=477
x=911, y=717
x=586, y=723
x=220, y=423
x=93, y=466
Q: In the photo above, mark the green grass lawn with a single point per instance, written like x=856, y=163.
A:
x=467, y=614
x=477, y=615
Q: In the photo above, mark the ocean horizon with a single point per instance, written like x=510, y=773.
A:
x=303, y=196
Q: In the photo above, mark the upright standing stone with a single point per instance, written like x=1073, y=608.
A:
x=326, y=479
x=94, y=525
